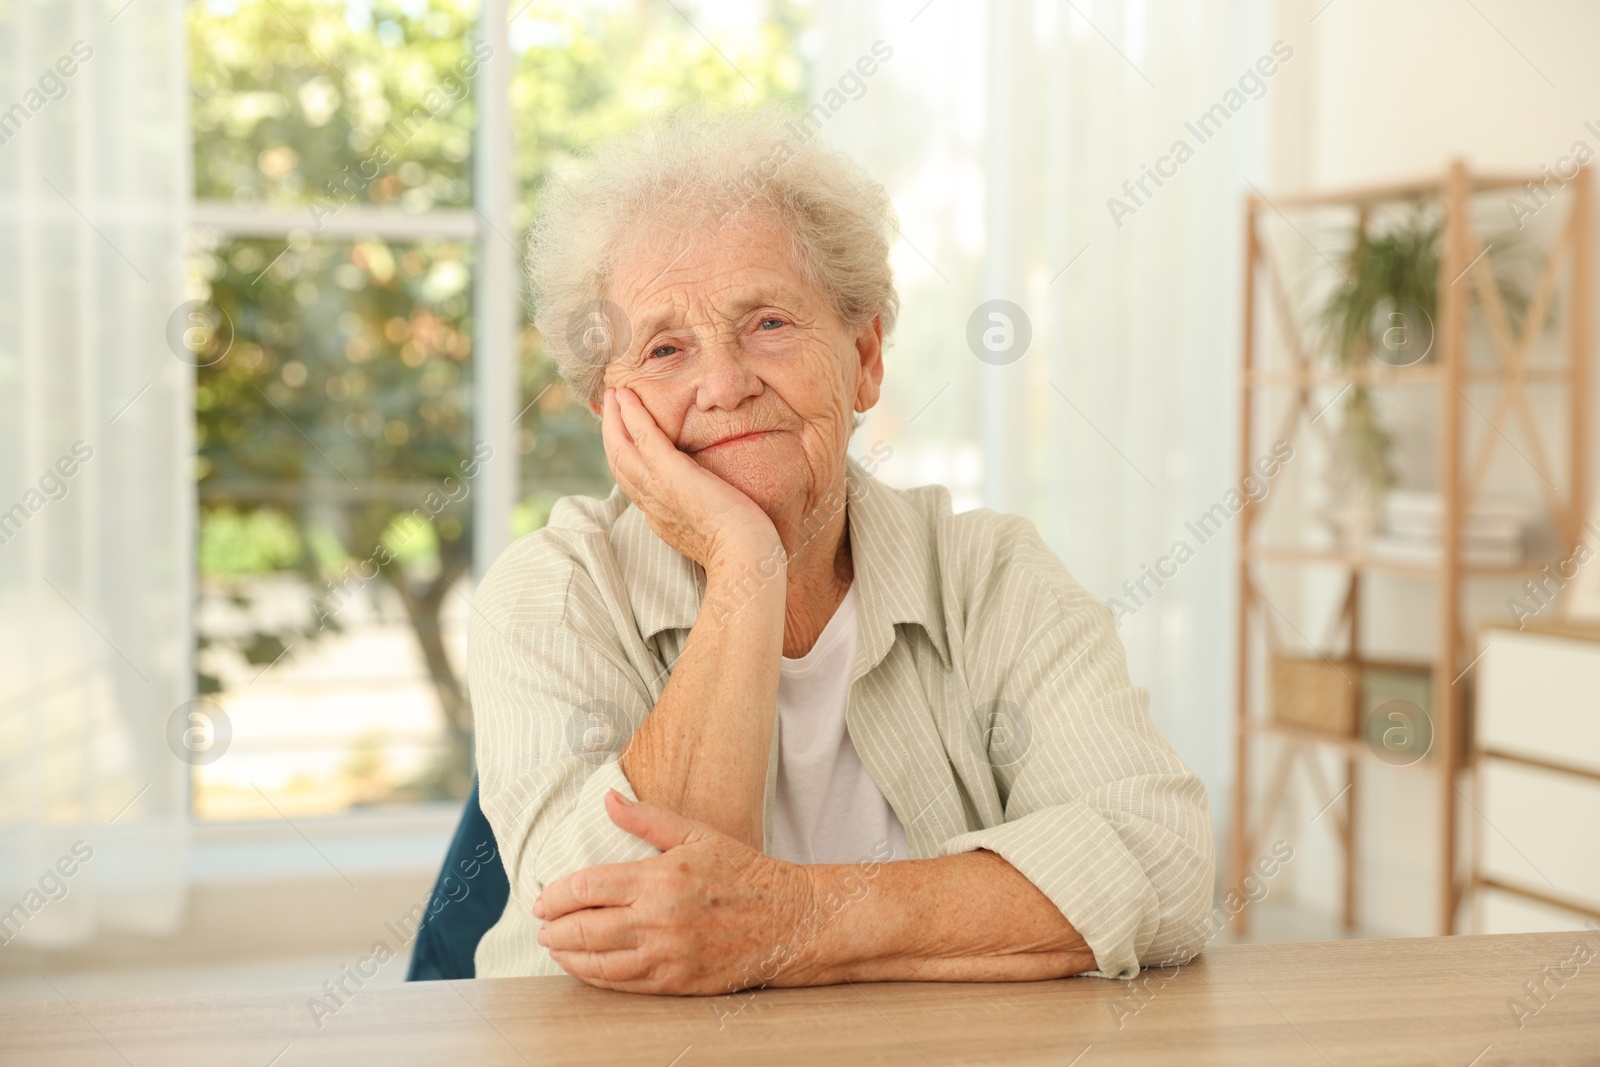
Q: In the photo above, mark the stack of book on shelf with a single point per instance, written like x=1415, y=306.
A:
x=1492, y=530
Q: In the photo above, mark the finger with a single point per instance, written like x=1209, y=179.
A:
x=642, y=426
x=660, y=826
x=591, y=930
x=607, y=885
x=622, y=455
x=611, y=413
x=612, y=429
x=609, y=970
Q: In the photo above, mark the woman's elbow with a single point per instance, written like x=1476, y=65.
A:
x=1187, y=921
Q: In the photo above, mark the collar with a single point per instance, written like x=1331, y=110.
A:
x=891, y=546
x=896, y=568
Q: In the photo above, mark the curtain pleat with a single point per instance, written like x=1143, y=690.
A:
x=1003, y=133
x=96, y=505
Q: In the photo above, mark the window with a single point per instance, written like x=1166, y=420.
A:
x=357, y=333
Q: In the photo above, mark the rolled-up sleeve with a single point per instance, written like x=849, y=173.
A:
x=553, y=713
x=1100, y=813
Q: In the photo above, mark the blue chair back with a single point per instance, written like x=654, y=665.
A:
x=468, y=897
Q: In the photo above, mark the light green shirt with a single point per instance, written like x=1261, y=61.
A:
x=989, y=701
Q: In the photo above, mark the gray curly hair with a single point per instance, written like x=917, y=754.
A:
x=694, y=170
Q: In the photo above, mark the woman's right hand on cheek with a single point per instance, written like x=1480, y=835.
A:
x=687, y=506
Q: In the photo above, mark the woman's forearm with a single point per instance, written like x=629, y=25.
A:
x=703, y=749
x=971, y=917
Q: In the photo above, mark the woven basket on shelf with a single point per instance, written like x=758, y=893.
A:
x=1313, y=694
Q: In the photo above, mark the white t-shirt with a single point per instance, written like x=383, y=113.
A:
x=829, y=810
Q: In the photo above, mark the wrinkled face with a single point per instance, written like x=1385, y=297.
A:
x=743, y=364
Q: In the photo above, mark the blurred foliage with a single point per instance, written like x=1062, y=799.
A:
x=1391, y=276
x=350, y=364
x=345, y=398
x=288, y=94
x=252, y=542
x=341, y=408
x=588, y=71
x=1397, y=266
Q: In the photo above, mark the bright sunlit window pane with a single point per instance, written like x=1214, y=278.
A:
x=334, y=470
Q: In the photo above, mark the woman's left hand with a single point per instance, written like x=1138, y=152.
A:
x=709, y=915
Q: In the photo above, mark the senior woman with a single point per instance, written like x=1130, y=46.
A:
x=758, y=718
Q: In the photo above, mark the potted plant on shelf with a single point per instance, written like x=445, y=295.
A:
x=1383, y=313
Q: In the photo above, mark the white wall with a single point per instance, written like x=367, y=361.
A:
x=1002, y=130
x=1403, y=88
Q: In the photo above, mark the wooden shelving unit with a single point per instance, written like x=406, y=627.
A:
x=1465, y=277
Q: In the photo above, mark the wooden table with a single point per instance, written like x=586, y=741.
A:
x=1422, y=1001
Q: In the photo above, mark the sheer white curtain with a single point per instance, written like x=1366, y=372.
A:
x=1002, y=130
x=96, y=513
